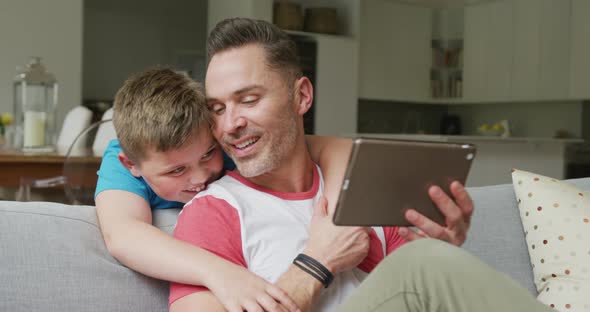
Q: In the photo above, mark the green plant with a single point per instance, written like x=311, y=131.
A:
x=6, y=119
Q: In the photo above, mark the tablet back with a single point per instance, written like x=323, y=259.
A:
x=384, y=178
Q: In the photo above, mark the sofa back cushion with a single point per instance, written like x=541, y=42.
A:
x=53, y=258
x=497, y=236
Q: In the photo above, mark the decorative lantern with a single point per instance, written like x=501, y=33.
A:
x=35, y=100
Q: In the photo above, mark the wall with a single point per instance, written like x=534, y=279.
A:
x=123, y=37
x=219, y=10
x=49, y=29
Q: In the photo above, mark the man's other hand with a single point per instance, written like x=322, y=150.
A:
x=457, y=214
x=338, y=248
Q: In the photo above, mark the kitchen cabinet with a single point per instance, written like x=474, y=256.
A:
x=580, y=50
x=555, y=49
x=395, y=53
x=517, y=50
x=527, y=37
x=488, y=51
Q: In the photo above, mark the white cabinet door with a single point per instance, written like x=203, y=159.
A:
x=395, y=53
x=488, y=51
x=555, y=49
x=517, y=50
x=477, y=19
x=580, y=50
x=541, y=49
x=500, y=50
x=527, y=43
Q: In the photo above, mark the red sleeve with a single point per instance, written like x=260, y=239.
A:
x=214, y=225
x=375, y=255
x=392, y=238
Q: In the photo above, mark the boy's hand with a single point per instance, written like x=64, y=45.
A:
x=457, y=213
x=245, y=291
x=338, y=248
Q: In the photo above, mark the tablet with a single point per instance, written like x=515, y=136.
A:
x=385, y=178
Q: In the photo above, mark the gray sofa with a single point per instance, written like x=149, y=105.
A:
x=52, y=257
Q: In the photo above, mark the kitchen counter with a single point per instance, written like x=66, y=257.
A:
x=467, y=138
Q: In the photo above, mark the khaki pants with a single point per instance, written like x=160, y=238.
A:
x=430, y=275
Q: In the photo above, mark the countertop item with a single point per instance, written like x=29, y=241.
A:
x=451, y=124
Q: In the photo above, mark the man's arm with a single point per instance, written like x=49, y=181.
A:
x=337, y=248
x=331, y=154
x=300, y=286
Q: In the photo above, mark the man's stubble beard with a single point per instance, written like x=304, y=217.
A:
x=275, y=152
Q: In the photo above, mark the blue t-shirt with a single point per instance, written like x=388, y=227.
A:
x=112, y=175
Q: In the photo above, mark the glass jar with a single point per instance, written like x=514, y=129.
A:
x=35, y=100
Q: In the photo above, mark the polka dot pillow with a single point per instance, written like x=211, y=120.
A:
x=556, y=220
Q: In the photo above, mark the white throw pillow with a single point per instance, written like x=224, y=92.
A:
x=556, y=220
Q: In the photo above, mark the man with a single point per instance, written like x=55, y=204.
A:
x=271, y=217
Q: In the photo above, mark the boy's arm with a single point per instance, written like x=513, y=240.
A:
x=126, y=223
x=303, y=288
x=331, y=154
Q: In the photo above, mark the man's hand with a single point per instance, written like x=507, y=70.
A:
x=249, y=292
x=338, y=248
x=457, y=213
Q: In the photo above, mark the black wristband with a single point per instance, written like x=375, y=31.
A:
x=310, y=272
x=314, y=268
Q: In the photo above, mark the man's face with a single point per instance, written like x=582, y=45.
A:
x=255, y=117
x=178, y=175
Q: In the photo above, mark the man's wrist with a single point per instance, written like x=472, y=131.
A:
x=314, y=268
x=321, y=258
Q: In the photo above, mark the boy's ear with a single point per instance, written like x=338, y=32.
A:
x=303, y=95
x=127, y=163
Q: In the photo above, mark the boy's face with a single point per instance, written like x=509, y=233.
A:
x=178, y=175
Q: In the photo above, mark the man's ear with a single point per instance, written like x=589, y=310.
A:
x=130, y=165
x=303, y=95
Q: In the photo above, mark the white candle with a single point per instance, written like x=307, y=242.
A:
x=34, y=129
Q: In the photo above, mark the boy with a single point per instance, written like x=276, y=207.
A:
x=165, y=155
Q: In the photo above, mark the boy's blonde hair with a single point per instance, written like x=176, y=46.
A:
x=158, y=109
